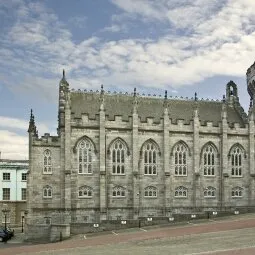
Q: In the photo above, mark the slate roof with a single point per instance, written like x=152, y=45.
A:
x=122, y=105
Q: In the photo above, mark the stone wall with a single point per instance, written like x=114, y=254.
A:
x=15, y=211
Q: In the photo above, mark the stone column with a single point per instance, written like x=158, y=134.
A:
x=196, y=155
x=102, y=163
x=251, y=198
x=166, y=159
x=224, y=173
x=136, y=171
x=68, y=154
x=135, y=159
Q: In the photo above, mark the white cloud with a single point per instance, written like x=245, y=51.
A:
x=145, y=8
x=78, y=21
x=217, y=40
x=20, y=124
x=115, y=28
x=13, y=146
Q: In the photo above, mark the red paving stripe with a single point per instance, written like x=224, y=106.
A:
x=239, y=251
x=126, y=237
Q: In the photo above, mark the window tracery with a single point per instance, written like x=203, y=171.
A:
x=236, y=161
x=209, y=159
x=181, y=192
x=47, y=162
x=180, y=159
x=150, y=159
x=150, y=191
x=118, y=192
x=237, y=192
x=210, y=192
x=85, y=191
x=47, y=192
x=118, y=157
x=85, y=157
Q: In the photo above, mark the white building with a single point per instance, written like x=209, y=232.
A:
x=13, y=189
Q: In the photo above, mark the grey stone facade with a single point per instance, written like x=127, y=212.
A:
x=174, y=156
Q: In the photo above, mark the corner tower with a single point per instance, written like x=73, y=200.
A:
x=250, y=76
x=63, y=91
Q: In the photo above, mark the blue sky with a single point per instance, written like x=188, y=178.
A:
x=153, y=45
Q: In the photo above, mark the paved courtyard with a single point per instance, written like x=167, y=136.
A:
x=235, y=235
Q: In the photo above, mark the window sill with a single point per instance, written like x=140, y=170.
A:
x=47, y=197
x=236, y=176
x=6, y=180
x=117, y=197
x=236, y=197
x=181, y=197
x=47, y=173
x=179, y=175
x=118, y=174
x=210, y=176
x=210, y=197
x=85, y=173
x=85, y=197
x=151, y=197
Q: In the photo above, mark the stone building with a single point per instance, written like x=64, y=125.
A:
x=125, y=156
x=13, y=184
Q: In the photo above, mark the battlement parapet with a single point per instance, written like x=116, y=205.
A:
x=47, y=139
x=142, y=95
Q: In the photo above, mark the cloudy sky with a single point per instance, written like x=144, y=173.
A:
x=153, y=45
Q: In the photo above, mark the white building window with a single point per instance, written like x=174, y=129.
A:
x=210, y=192
x=209, y=160
x=6, y=176
x=47, y=192
x=47, y=164
x=237, y=192
x=150, y=191
x=23, y=194
x=181, y=192
x=85, y=157
x=180, y=159
x=118, y=192
x=150, y=159
x=6, y=193
x=23, y=176
x=85, y=192
x=118, y=157
x=236, y=161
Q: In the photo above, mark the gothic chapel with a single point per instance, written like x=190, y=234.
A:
x=125, y=156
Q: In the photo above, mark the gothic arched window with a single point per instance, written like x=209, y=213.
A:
x=209, y=158
x=236, y=161
x=180, y=152
x=118, y=192
x=150, y=156
x=47, y=192
x=85, y=157
x=47, y=164
x=118, y=157
x=181, y=192
x=210, y=192
x=85, y=191
x=150, y=191
x=237, y=192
